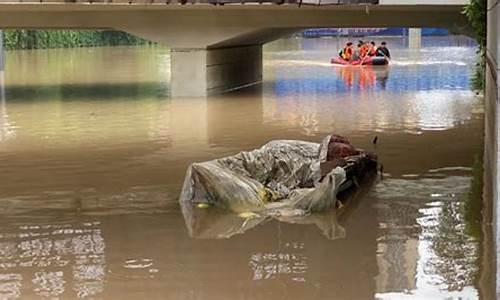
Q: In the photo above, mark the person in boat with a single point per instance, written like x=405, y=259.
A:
x=383, y=50
x=356, y=55
x=373, y=49
x=364, y=50
x=346, y=52
x=361, y=42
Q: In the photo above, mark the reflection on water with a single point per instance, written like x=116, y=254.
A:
x=47, y=257
x=366, y=77
x=5, y=130
x=425, y=242
x=93, y=155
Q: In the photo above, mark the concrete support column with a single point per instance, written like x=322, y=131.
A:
x=188, y=72
x=491, y=186
x=202, y=72
x=414, y=38
x=3, y=110
x=491, y=207
x=2, y=56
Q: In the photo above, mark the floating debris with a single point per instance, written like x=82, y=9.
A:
x=203, y=205
x=248, y=215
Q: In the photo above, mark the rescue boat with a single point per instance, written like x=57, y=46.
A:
x=369, y=61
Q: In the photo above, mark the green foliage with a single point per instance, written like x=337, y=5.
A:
x=42, y=39
x=476, y=12
x=479, y=76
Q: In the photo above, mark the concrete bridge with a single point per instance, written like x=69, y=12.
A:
x=219, y=48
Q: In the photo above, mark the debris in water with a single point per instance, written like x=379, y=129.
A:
x=248, y=215
x=281, y=176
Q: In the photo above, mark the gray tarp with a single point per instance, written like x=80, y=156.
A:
x=280, y=180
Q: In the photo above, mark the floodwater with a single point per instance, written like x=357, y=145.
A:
x=93, y=153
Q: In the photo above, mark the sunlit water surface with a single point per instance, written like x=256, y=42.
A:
x=93, y=153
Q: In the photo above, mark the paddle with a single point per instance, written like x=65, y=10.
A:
x=363, y=60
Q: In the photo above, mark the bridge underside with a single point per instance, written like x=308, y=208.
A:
x=215, y=49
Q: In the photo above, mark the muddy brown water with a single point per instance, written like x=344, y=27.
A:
x=93, y=153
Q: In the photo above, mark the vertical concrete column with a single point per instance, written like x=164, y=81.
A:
x=491, y=207
x=3, y=106
x=202, y=72
x=2, y=56
x=188, y=72
x=3, y=109
x=490, y=180
x=414, y=38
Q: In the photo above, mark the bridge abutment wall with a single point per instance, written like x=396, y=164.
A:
x=203, y=72
x=491, y=207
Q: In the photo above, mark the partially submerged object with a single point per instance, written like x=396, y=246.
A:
x=218, y=223
x=286, y=180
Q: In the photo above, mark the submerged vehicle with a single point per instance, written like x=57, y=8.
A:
x=369, y=61
x=284, y=179
x=217, y=223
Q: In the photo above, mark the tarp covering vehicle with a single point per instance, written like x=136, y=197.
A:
x=283, y=179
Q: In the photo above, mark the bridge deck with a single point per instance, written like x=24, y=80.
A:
x=245, y=2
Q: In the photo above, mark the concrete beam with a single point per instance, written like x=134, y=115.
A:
x=202, y=26
x=202, y=72
x=423, y=2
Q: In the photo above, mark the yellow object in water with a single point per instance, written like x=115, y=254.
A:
x=248, y=215
x=267, y=195
x=203, y=205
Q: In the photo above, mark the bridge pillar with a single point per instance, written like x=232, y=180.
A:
x=414, y=38
x=203, y=72
x=491, y=207
x=2, y=54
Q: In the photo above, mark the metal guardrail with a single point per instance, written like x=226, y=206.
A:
x=213, y=2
